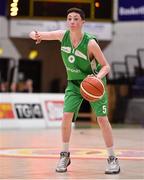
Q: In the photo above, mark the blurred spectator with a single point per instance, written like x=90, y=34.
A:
x=3, y=86
x=28, y=86
x=14, y=87
x=23, y=86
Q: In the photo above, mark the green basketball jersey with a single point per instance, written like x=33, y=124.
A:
x=76, y=60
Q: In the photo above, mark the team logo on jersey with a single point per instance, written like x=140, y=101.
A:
x=71, y=59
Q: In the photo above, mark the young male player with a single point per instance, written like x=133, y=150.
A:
x=82, y=56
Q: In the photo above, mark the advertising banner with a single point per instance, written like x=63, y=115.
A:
x=54, y=110
x=6, y=111
x=31, y=110
x=131, y=10
x=20, y=28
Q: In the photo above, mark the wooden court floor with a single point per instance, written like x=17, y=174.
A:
x=33, y=154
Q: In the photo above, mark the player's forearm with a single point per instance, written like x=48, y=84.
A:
x=51, y=35
x=103, y=72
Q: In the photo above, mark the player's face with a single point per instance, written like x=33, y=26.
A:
x=74, y=21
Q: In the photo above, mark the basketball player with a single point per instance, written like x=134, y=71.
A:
x=82, y=56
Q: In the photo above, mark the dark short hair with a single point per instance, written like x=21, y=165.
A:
x=77, y=10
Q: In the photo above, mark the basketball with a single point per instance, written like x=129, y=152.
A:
x=92, y=88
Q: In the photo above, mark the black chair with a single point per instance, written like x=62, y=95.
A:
x=138, y=87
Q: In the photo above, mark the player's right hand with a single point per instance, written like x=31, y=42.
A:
x=35, y=35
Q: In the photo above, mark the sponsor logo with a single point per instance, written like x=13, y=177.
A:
x=54, y=110
x=29, y=111
x=73, y=70
x=6, y=111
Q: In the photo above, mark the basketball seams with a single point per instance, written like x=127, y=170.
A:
x=91, y=95
x=99, y=81
x=94, y=86
x=98, y=89
x=88, y=82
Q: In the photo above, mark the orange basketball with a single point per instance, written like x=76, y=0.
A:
x=92, y=88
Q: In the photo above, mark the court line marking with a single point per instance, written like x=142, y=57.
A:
x=76, y=153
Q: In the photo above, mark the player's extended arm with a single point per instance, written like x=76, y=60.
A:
x=51, y=35
x=95, y=50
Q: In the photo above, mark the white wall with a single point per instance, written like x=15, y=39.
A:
x=5, y=43
x=127, y=38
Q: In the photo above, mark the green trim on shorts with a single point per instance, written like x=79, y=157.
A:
x=73, y=100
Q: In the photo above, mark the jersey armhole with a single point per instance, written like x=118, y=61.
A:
x=66, y=32
x=95, y=40
x=88, y=48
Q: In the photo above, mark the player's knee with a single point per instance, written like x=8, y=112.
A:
x=102, y=120
x=67, y=117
